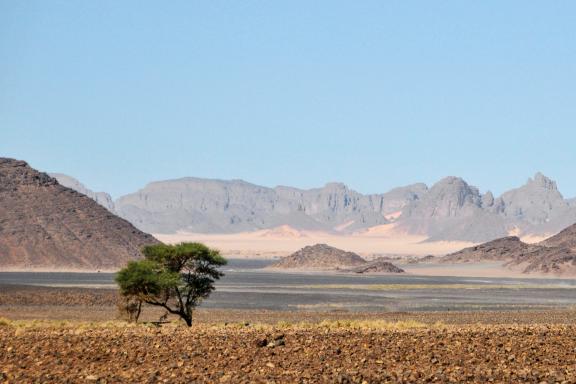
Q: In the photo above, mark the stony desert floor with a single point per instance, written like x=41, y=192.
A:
x=329, y=352
x=64, y=335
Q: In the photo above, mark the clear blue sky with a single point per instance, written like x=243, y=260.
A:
x=375, y=94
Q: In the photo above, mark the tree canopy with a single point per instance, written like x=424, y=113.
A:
x=174, y=277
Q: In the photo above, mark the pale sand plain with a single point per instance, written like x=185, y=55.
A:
x=282, y=241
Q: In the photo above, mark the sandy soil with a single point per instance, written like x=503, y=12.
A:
x=529, y=238
x=282, y=241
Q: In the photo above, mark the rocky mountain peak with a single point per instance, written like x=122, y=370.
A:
x=454, y=187
x=447, y=198
x=543, y=182
x=536, y=203
x=335, y=186
x=487, y=200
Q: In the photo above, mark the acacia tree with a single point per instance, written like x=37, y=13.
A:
x=174, y=277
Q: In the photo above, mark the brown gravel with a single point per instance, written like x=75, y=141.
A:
x=233, y=346
x=204, y=354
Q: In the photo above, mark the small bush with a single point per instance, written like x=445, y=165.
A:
x=4, y=322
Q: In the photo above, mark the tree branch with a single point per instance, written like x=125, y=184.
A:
x=163, y=305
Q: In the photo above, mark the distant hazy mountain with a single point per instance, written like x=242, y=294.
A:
x=538, y=207
x=202, y=205
x=449, y=210
x=453, y=210
x=101, y=198
x=46, y=225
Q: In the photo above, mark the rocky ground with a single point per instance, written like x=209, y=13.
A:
x=314, y=354
x=78, y=341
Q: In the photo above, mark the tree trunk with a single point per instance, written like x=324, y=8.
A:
x=139, y=311
x=187, y=319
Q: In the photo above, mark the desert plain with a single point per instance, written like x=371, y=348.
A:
x=69, y=334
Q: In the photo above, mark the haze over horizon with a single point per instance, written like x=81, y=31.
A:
x=374, y=95
x=319, y=186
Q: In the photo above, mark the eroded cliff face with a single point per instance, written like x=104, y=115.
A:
x=217, y=206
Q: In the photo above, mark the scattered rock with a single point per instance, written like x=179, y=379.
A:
x=261, y=342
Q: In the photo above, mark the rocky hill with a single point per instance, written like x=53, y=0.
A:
x=564, y=239
x=44, y=225
x=319, y=256
x=556, y=255
x=504, y=249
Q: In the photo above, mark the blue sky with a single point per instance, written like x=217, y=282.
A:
x=375, y=94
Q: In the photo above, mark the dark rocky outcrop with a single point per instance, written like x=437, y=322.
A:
x=319, y=256
x=564, y=239
x=497, y=250
x=325, y=257
x=376, y=267
x=44, y=225
x=556, y=255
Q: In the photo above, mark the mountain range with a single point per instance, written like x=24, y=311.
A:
x=449, y=210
